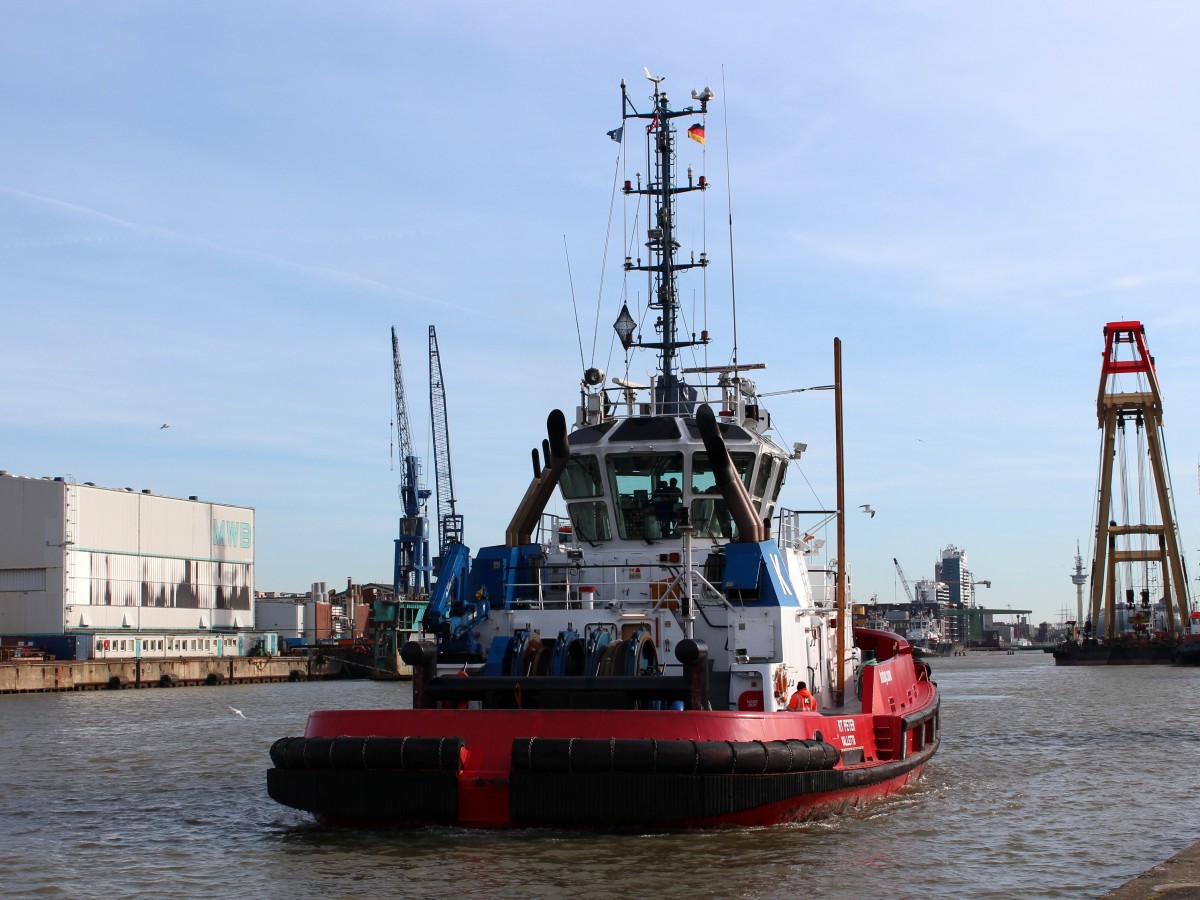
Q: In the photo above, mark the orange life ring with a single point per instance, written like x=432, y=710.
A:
x=781, y=682
x=106, y=645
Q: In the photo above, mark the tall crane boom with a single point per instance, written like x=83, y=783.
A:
x=412, y=570
x=450, y=523
x=409, y=465
x=904, y=581
x=454, y=610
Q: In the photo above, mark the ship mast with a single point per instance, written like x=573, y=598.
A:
x=662, y=265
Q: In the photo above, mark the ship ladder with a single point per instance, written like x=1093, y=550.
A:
x=885, y=748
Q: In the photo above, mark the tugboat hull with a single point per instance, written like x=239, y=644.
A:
x=597, y=768
x=597, y=771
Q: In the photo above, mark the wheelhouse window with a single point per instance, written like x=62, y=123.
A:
x=589, y=521
x=647, y=493
x=783, y=470
x=771, y=498
x=766, y=466
x=581, y=478
x=705, y=482
x=710, y=513
x=711, y=519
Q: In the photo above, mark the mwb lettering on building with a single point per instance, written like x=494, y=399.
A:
x=231, y=534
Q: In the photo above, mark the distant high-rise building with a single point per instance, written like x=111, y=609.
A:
x=952, y=571
x=952, y=574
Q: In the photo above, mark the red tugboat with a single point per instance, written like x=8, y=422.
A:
x=629, y=665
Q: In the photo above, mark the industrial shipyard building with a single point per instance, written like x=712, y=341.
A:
x=119, y=572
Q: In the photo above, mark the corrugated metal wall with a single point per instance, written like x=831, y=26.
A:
x=114, y=579
x=22, y=580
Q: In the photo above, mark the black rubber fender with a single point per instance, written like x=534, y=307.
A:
x=681, y=757
x=443, y=754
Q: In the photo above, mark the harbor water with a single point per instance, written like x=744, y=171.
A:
x=1050, y=782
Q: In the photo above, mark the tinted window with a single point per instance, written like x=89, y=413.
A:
x=650, y=428
x=765, y=466
x=647, y=493
x=783, y=470
x=581, y=478
x=590, y=521
x=711, y=518
x=705, y=482
x=589, y=435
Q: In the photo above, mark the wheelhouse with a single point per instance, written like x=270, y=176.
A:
x=632, y=480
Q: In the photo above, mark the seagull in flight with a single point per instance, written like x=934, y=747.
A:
x=866, y=507
x=163, y=425
x=237, y=712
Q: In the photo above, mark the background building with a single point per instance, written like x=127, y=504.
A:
x=77, y=558
x=320, y=615
x=951, y=572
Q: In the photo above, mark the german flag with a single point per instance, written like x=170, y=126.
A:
x=696, y=133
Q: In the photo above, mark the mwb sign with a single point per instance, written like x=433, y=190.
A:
x=231, y=534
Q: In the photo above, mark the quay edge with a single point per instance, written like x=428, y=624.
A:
x=1177, y=878
x=86, y=675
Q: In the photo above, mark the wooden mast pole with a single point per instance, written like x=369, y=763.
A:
x=839, y=691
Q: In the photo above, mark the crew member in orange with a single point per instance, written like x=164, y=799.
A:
x=802, y=700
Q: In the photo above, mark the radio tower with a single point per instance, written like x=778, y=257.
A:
x=1079, y=579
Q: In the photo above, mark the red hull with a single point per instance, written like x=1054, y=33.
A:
x=477, y=772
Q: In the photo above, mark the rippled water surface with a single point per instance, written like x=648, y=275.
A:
x=1050, y=782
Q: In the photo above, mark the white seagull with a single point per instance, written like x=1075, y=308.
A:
x=237, y=712
x=866, y=507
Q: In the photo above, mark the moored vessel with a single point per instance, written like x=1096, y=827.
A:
x=629, y=664
x=925, y=635
x=1140, y=608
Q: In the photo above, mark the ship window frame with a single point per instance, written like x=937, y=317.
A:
x=646, y=512
x=743, y=461
x=778, y=488
x=709, y=511
x=600, y=516
x=762, y=476
x=576, y=474
x=711, y=518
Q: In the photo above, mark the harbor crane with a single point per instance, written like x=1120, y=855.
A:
x=904, y=581
x=412, y=569
x=450, y=522
x=452, y=610
x=411, y=572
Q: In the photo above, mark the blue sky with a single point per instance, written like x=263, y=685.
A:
x=211, y=214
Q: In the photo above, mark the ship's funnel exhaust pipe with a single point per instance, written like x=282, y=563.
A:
x=750, y=529
x=537, y=495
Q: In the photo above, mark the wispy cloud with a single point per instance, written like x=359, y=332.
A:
x=322, y=273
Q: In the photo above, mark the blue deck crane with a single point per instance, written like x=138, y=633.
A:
x=412, y=571
x=398, y=619
x=452, y=611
